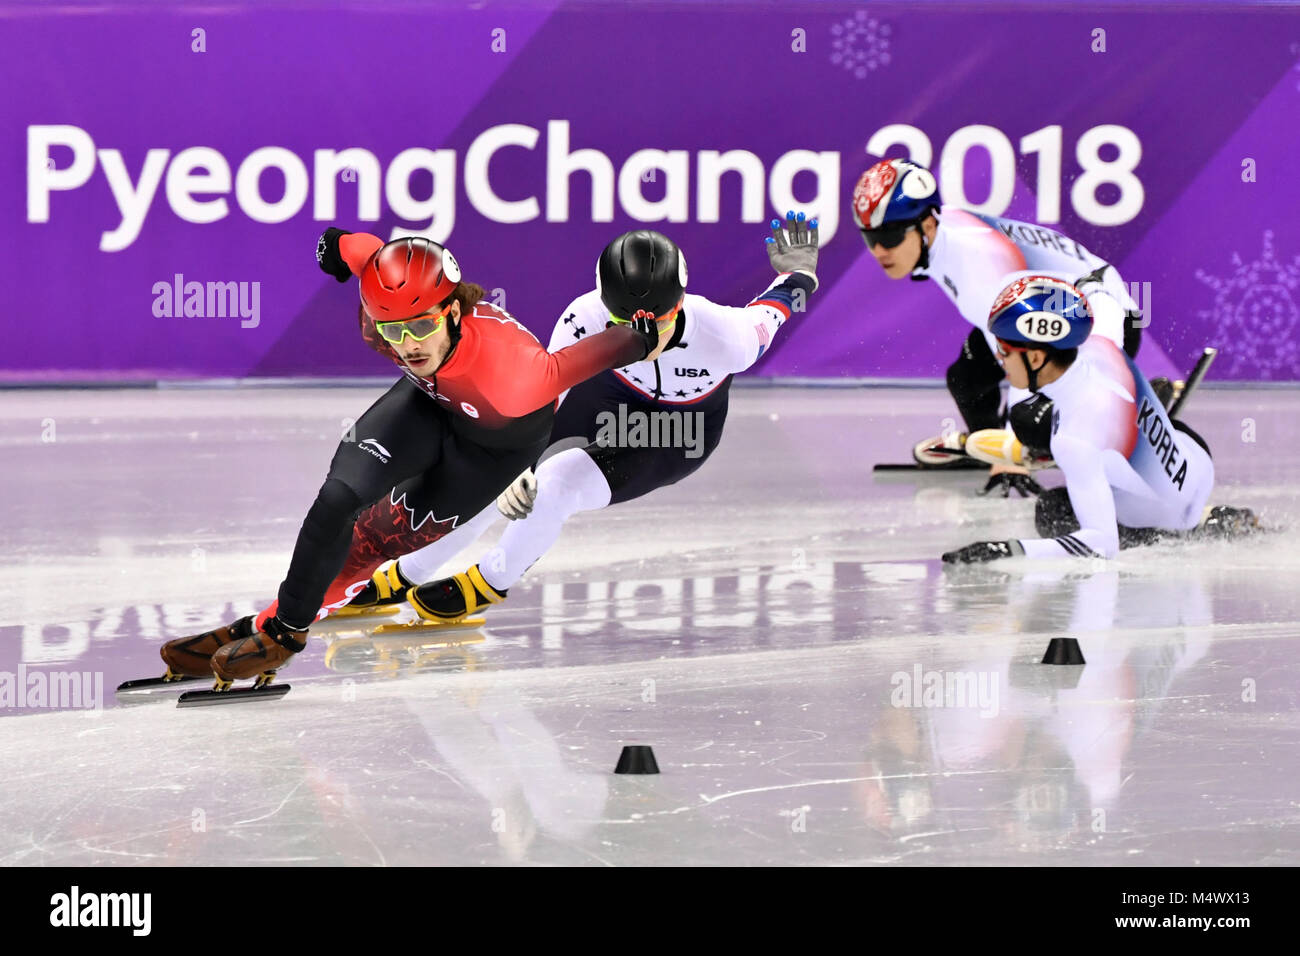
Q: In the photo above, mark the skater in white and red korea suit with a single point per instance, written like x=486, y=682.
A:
x=588, y=466
x=1131, y=476
x=970, y=258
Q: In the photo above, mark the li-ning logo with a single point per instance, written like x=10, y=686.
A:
x=374, y=448
x=102, y=909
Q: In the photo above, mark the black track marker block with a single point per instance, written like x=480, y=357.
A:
x=1063, y=650
x=637, y=758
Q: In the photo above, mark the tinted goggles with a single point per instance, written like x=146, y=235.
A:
x=889, y=235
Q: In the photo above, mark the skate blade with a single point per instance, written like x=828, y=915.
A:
x=416, y=627
x=150, y=688
x=206, y=698
x=379, y=610
x=959, y=463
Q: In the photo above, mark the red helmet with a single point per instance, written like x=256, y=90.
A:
x=407, y=277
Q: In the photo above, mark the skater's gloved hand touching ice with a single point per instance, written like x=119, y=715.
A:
x=797, y=251
x=984, y=551
x=516, y=502
x=1001, y=483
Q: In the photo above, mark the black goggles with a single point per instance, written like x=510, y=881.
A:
x=889, y=235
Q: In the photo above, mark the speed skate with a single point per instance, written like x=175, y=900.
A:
x=419, y=634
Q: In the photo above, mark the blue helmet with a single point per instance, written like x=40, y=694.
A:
x=1040, y=312
x=894, y=190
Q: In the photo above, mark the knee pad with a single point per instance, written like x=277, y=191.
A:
x=572, y=481
x=973, y=382
x=1054, y=515
x=969, y=378
x=335, y=503
x=957, y=379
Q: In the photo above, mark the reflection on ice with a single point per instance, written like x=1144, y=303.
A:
x=757, y=626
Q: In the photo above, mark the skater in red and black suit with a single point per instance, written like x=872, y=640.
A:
x=473, y=410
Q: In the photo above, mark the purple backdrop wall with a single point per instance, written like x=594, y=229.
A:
x=132, y=139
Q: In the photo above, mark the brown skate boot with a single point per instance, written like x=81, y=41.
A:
x=192, y=656
x=258, y=656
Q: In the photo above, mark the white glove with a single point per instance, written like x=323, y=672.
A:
x=517, y=501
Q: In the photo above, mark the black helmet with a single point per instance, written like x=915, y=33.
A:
x=641, y=270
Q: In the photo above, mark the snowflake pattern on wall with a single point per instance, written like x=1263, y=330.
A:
x=1255, y=317
x=860, y=44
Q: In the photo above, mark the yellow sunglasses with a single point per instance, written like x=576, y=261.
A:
x=418, y=328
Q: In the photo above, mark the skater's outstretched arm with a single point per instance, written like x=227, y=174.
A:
x=1093, y=502
x=538, y=377
x=745, y=334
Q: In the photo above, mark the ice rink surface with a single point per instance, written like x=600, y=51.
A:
x=777, y=627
